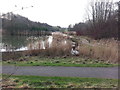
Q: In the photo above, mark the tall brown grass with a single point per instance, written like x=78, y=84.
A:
x=103, y=49
x=60, y=46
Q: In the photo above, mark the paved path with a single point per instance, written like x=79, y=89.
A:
x=98, y=72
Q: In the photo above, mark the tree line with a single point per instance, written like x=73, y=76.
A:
x=102, y=20
x=19, y=25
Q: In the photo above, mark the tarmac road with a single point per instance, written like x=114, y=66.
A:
x=97, y=72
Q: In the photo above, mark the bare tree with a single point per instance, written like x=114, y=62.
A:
x=102, y=14
x=118, y=19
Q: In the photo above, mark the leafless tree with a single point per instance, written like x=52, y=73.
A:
x=102, y=18
x=118, y=19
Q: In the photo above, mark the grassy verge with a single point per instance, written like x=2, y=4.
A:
x=59, y=61
x=58, y=82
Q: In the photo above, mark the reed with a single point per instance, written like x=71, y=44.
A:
x=103, y=49
x=60, y=46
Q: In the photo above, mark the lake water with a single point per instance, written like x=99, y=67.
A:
x=19, y=43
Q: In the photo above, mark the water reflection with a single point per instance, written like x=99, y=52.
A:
x=21, y=43
x=13, y=43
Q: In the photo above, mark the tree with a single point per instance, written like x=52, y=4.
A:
x=70, y=27
x=80, y=28
x=118, y=20
x=102, y=19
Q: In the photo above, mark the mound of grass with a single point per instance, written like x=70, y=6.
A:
x=60, y=61
x=61, y=82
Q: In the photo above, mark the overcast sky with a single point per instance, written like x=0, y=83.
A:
x=53, y=12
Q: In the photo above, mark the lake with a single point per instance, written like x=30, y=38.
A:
x=18, y=43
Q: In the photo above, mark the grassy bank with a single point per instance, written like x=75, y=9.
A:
x=58, y=61
x=57, y=82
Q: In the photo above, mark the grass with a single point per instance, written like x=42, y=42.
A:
x=58, y=82
x=106, y=49
x=58, y=61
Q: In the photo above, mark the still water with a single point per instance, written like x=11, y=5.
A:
x=21, y=43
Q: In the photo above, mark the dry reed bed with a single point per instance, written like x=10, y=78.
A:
x=60, y=46
x=103, y=49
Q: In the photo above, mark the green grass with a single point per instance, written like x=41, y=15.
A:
x=62, y=82
x=59, y=61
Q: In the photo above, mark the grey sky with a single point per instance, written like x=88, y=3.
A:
x=54, y=12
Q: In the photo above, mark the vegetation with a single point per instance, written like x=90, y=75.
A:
x=19, y=25
x=102, y=20
x=103, y=49
x=57, y=82
x=58, y=61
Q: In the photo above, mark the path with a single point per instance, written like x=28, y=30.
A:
x=97, y=72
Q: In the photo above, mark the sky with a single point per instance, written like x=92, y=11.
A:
x=53, y=12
